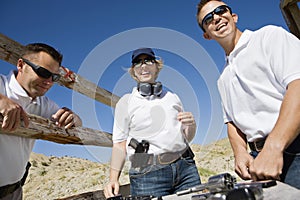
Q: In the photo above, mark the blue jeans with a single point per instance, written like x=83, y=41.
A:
x=291, y=168
x=160, y=180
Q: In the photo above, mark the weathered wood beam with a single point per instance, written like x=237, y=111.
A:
x=10, y=51
x=291, y=14
x=45, y=129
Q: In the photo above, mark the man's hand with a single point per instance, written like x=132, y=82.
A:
x=242, y=164
x=65, y=117
x=12, y=114
x=267, y=165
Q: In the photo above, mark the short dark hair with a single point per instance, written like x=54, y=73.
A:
x=200, y=5
x=41, y=47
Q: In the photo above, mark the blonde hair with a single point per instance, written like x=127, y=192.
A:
x=159, y=64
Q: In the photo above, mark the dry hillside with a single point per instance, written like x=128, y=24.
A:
x=58, y=177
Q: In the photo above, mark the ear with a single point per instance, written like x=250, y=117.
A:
x=20, y=64
x=206, y=36
x=235, y=17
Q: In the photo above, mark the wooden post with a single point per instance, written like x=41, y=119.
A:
x=291, y=14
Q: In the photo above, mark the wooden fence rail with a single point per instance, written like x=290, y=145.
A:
x=45, y=129
x=10, y=51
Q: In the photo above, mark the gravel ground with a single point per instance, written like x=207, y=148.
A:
x=58, y=177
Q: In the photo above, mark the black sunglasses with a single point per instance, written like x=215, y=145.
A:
x=138, y=63
x=41, y=71
x=218, y=11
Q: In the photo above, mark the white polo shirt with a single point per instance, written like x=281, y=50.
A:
x=255, y=77
x=14, y=150
x=149, y=118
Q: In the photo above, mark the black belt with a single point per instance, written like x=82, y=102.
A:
x=145, y=159
x=294, y=147
x=170, y=157
x=257, y=145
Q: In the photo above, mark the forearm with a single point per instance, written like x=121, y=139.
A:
x=237, y=139
x=238, y=143
x=287, y=127
x=117, y=160
x=190, y=132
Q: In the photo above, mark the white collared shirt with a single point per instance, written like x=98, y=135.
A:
x=149, y=118
x=14, y=150
x=255, y=77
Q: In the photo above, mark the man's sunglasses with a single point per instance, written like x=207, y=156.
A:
x=218, y=11
x=138, y=63
x=41, y=71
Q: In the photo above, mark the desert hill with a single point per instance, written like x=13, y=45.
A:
x=58, y=177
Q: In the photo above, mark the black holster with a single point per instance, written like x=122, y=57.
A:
x=141, y=160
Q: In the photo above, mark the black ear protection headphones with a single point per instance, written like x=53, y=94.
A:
x=147, y=89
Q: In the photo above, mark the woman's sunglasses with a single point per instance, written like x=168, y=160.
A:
x=41, y=71
x=138, y=63
x=218, y=11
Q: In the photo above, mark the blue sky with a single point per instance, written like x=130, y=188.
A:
x=96, y=38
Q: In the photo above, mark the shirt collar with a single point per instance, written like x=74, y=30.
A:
x=15, y=86
x=243, y=41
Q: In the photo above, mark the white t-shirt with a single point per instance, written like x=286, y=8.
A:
x=149, y=118
x=255, y=77
x=14, y=150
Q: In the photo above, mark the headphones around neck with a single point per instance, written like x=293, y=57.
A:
x=148, y=89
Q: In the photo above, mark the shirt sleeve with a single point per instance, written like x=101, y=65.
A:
x=48, y=107
x=222, y=92
x=178, y=103
x=121, y=120
x=284, y=54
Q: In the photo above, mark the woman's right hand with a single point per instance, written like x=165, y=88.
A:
x=111, y=189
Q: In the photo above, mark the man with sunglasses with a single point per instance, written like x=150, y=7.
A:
x=259, y=87
x=151, y=128
x=22, y=92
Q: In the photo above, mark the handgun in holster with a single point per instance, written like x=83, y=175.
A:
x=140, y=158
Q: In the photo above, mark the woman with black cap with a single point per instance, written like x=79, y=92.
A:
x=151, y=128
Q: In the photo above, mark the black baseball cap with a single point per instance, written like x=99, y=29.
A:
x=140, y=51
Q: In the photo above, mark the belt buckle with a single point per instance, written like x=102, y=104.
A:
x=255, y=147
x=258, y=149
